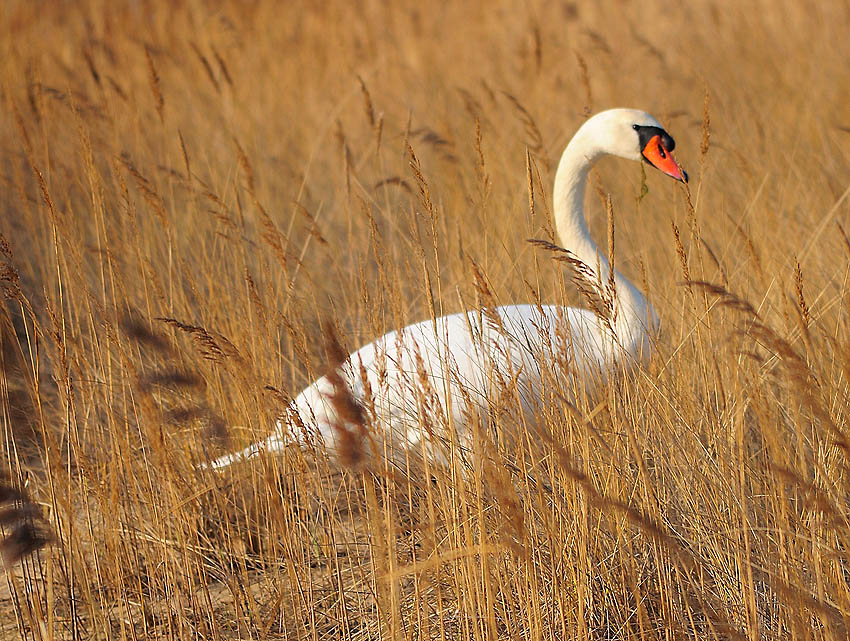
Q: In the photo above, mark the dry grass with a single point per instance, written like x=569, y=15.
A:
x=190, y=192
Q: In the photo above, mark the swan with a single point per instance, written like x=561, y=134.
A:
x=438, y=371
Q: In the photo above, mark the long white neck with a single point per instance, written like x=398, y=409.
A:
x=635, y=317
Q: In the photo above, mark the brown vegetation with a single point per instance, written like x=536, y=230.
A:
x=190, y=191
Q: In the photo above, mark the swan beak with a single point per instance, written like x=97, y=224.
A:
x=661, y=158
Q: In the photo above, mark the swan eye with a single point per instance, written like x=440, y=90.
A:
x=635, y=127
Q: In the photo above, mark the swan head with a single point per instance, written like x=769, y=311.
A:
x=635, y=135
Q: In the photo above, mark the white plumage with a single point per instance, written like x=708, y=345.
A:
x=437, y=374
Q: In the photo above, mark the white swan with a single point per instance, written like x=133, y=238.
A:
x=438, y=373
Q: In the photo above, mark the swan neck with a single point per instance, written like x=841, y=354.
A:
x=570, y=186
x=634, y=313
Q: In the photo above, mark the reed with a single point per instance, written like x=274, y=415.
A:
x=205, y=208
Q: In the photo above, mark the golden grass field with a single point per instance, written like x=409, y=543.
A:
x=243, y=170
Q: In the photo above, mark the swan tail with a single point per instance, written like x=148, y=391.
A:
x=273, y=443
x=308, y=421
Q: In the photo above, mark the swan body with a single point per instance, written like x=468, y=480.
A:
x=441, y=372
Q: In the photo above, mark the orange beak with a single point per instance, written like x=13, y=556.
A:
x=662, y=159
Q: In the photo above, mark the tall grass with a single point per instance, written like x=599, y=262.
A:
x=192, y=192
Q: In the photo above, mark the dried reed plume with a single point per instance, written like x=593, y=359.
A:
x=351, y=420
x=598, y=296
x=705, y=143
x=155, y=86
